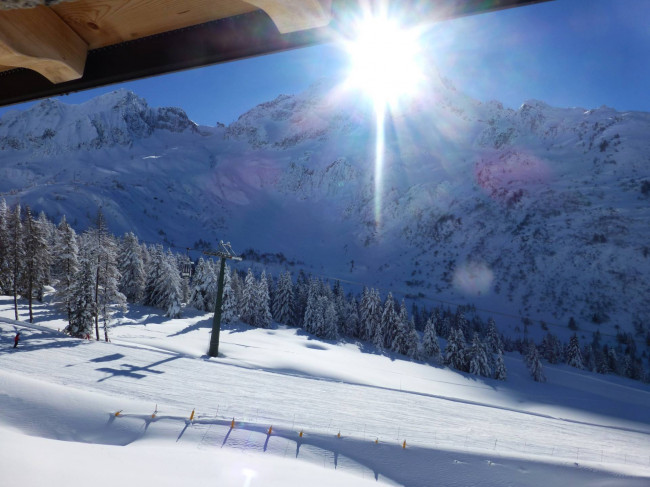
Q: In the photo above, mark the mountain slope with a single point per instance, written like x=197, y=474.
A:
x=539, y=211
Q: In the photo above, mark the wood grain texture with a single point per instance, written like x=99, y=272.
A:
x=295, y=15
x=38, y=39
x=105, y=22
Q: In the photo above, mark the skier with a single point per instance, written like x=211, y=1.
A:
x=16, y=338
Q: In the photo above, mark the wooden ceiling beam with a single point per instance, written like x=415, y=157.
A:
x=296, y=15
x=39, y=40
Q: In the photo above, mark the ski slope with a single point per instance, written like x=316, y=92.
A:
x=59, y=396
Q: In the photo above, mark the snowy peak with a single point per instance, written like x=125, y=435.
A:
x=116, y=118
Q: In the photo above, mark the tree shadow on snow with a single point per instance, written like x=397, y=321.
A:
x=134, y=371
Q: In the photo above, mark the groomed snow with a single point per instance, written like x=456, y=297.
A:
x=58, y=398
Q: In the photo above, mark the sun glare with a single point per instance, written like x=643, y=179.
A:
x=384, y=60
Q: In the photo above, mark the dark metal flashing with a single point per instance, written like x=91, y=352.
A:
x=229, y=39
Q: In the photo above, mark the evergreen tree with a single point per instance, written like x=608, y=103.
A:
x=340, y=305
x=388, y=327
x=351, y=323
x=500, y=372
x=551, y=348
x=82, y=303
x=229, y=307
x=16, y=253
x=101, y=249
x=479, y=364
x=5, y=266
x=37, y=259
x=493, y=341
x=172, y=292
x=301, y=295
x=535, y=364
x=573, y=354
x=49, y=232
x=132, y=270
x=612, y=361
x=109, y=299
x=430, y=345
x=455, y=354
x=283, y=300
x=248, y=302
x=205, y=283
x=329, y=322
x=412, y=340
x=312, y=312
x=66, y=258
x=263, y=316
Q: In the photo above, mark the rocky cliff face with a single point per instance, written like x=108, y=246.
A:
x=539, y=211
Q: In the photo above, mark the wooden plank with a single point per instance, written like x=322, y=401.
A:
x=295, y=15
x=39, y=40
x=105, y=22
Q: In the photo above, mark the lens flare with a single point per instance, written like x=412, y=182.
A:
x=384, y=60
x=384, y=65
x=473, y=278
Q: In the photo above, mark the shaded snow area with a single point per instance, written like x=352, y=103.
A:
x=354, y=407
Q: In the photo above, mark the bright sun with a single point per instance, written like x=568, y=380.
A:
x=384, y=60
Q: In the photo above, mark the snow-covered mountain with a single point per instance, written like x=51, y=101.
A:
x=539, y=212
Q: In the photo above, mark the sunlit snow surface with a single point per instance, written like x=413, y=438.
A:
x=577, y=429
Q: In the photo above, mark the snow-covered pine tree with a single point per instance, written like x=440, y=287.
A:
x=329, y=322
x=493, y=340
x=364, y=314
x=283, y=300
x=479, y=363
x=374, y=313
x=388, y=327
x=37, y=259
x=534, y=363
x=310, y=321
x=263, y=316
x=340, y=304
x=500, y=372
x=412, y=340
x=237, y=285
x=154, y=277
x=300, y=294
x=402, y=340
x=197, y=289
x=248, y=304
x=455, y=353
x=173, y=292
x=612, y=360
x=445, y=327
x=101, y=248
x=573, y=354
x=82, y=304
x=16, y=254
x=589, y=357
x=5, y=267
x=49, y=232
x=132, y=270
x=229, y=307
x=461, y=322
x=66, y=258
x=551, y=348
x=430, y=345
x=351, y=323
x=109, y=298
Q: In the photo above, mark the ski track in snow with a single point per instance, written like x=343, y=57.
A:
x=441, y=431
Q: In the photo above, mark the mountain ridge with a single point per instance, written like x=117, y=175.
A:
x=538, y=211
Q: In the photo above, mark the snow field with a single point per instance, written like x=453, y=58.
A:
x=578, y=429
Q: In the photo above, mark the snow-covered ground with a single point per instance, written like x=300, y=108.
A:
x=59, y=396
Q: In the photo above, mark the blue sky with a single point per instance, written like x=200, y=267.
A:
x=584, y=53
